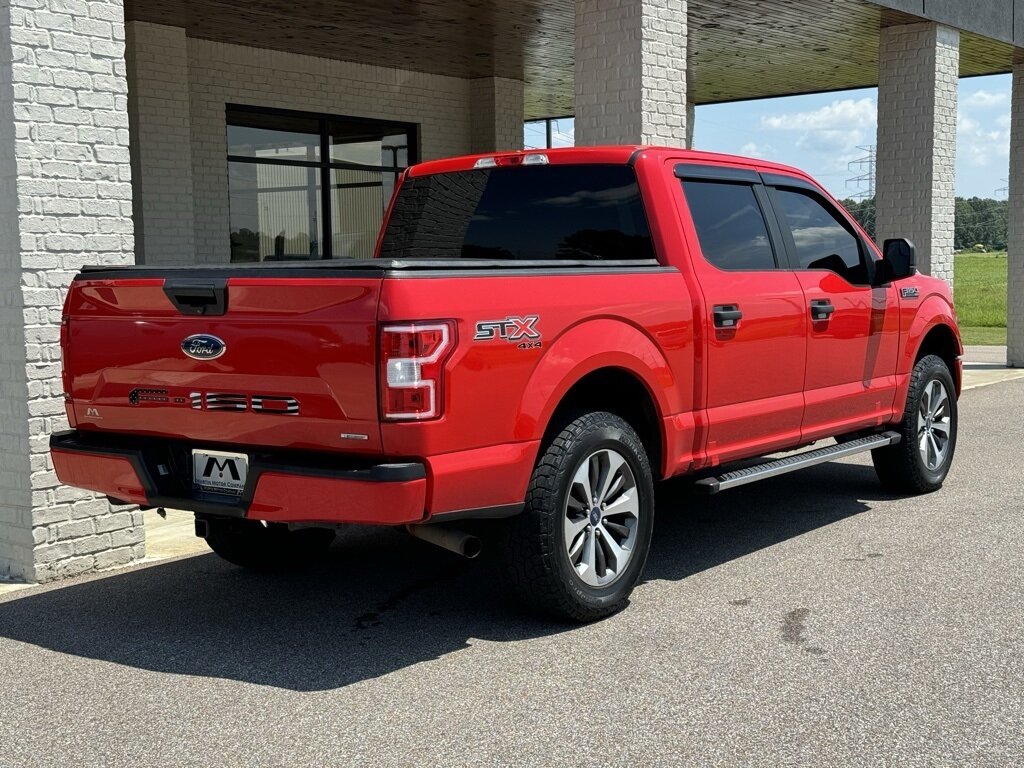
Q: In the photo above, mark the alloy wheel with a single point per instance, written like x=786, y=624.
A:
x=601, y=516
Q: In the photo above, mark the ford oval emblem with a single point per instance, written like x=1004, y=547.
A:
x=203, y=346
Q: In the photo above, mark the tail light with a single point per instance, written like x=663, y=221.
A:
x=412, y=369
x=65, y=372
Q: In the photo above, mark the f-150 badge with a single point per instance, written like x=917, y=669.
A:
x=512, y=328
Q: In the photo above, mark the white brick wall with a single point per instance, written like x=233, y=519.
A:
x=916, y=156
x=496, y=114
x=1015, y=244
x=66, y=201
x=223, y=74
x=161, y=137
x=631, y=72
x=181, y=86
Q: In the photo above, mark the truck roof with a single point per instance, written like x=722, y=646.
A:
x=610, y=155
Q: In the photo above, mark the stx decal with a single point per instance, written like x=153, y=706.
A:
x=510, y=329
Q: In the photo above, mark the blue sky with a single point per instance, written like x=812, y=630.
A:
x=821, y=134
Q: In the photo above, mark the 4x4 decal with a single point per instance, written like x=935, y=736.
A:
x=512, y=328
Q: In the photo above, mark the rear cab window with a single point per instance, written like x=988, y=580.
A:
x=530, y=213
x=730, y=224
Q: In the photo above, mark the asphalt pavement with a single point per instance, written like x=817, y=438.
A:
x=806, y=620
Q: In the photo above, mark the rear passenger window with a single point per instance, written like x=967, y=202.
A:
x=821, y=241
x=730, y=225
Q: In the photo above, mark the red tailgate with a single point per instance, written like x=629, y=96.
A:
x=298, y=367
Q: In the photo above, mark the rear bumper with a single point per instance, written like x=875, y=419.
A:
x=279, y=488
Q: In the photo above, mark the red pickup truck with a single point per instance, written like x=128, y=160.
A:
x=540, y=338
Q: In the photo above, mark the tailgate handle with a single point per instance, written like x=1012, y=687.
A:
x=198, y=297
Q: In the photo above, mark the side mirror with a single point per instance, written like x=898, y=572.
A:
x=899, y=261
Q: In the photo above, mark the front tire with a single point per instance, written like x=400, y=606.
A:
x=247, y=543
x=579, y=547
x=920, y=462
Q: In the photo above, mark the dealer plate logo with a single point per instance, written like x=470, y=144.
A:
x=220, y=472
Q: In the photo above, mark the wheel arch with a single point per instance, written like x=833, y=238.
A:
x=933, y=331
x=618, y=391
x=940, y=340
x=603, y=364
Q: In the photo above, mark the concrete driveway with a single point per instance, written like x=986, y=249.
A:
x=810, y=619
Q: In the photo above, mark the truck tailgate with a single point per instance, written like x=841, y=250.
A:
x=292, y=361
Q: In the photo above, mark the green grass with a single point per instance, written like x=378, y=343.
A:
x=974, y=334
x=980, y=296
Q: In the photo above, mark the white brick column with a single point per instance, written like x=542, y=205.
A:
x=631, y=72
x=915, y=178
x=496, y=114
x=161, y=143
x=1015, y=241
x=65, y=201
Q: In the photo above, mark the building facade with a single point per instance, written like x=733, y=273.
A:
x=209, y=132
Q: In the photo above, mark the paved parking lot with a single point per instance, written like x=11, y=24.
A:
x=810, y=619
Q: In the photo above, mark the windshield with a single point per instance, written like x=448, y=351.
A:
x=582, y=212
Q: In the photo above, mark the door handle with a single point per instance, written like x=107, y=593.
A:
x=822, y=309
x=727, y=316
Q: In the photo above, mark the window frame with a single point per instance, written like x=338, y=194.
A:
x=774, y=182
x=325, y=165
x=733, y=176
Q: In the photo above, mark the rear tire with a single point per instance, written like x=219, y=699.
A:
x=580, y=558
x=920, y=462
x=247, y=543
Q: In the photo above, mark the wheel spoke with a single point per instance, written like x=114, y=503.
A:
x=581, y=486
x=626, y=504
x=594, y=475
x=588, y=561
x=939, y=400
x=573, y=527
x=926, y=403
x=622, y=531
x=617, y=554
x=941, y=426
x=611, y=466
x=600, y=557
x=576, y=549
x=933, y=452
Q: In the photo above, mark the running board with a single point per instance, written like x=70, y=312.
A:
x=799, y=461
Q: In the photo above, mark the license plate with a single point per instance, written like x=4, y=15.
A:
x=220, y=472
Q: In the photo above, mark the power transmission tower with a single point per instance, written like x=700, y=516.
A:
x=1004, y=190
x=864, y=167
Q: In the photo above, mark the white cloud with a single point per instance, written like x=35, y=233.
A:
x=761, y=151
x=844, y=114
x=985, y=99
x=834, y=131
x=983, y=143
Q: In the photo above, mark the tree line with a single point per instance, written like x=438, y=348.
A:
x=980, y=222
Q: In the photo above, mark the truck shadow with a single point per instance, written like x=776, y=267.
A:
x=383, y=601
